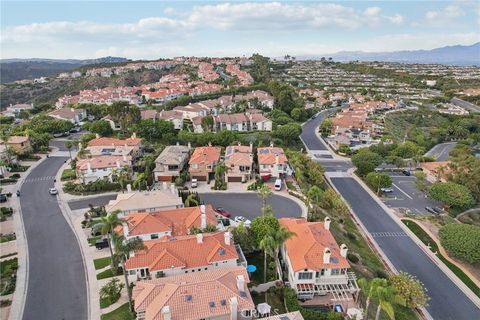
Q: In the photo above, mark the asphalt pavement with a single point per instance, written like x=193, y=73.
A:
x=94, y=201
x=466, y=105
x=56, y=287
x=308, y=135
x=447, y=300
x=441, y=151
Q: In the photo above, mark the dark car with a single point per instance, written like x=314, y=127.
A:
x=406, y=172
x=223, y=212
x=431, y=210
x=437, y=210
x=3, y=197
x=75, y=130
x=102, y=243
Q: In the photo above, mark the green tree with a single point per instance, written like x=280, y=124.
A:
x=191, y=201
x=464, y=169
x=263, y=192
x=410, y=289
x=462, y=240
x=299, y=114
x=155, y=130
x=207, y=123
x=220, y=171
x=326, y=127
x=452, y=194
x=244, y=237
x=314, y=196
x=263, y=225
x=288, y=133
x=121, y=176
x=111, y=291
x=385, y=297
x=125, y=114
x=69, y=146
x=366, y=161
x=100, y=127
x=376, y=180
x=279, y=237
x=140, y=181
x=106, y=226
x=123, y=248
x=267, y=244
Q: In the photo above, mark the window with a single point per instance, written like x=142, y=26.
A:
x=132, y=272
x=194, y=166
x=304, y=275
x=322, y=272
x=154, y=236
x=335, y=272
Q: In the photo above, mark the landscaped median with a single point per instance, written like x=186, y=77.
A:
x=434, y=247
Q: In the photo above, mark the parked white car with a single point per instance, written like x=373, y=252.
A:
x=53, y=191
x=240, y=219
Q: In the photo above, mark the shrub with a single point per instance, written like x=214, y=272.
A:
x=110, y=292
x=378, y=180
x=291, y=303
x=352, y=257
x=452, y=194
x=462, y=240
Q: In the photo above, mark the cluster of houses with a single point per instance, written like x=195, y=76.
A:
x=184, y=272
x=354, y=126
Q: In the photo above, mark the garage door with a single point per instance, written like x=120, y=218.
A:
x=200, y=178
x=165, y=178
x=234, y=179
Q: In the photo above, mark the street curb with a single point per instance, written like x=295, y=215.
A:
x=20, y=294
x=93, y=308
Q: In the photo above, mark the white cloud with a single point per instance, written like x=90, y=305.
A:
x=447, y=14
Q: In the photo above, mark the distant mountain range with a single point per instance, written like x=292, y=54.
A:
x=20, y=69
x=454, y=55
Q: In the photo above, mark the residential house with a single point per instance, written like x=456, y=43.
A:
x=75, y=116
x=114, y=125
x=197, y=124
x=259, y=122
x=220, y=294
x=316, y=265
x=239, y=163
x=193, y=110
x=145, y=201
x=173, y=116
x=21, y=144
x=114, y=150
x=17, y=108
x=169, y=256
x=272, y=162
x=203, y=161
x=265, y=99
x=107, y=142
x=101, y=168
x=232, y=122
x=171, y=162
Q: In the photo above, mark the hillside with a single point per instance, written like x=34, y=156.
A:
x=13, y=93
x=20, y=69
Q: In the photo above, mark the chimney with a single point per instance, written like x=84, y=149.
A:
x=199, y=237
x=118, y=164
x=233, y=308
x=326, y=255
x=203, y=216
x=240, y=283
x=326, y=223
x=277, y=159
x=89, y=167
x=172, y=188
x=271, y=144
x=72, y=109
x=134, y=135
x=227, y=236
x=97, y=135
x=166, y=314
x=178, y=143
x=343, y=250
x=124, y=158
x=209, y=144
x=189, y=145
x=129, y=188
x=239, y=144
x=251, y=146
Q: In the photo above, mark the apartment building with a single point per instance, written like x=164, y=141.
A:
x=315, y=265
x=171, y=161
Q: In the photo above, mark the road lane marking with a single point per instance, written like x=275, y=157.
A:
x=408, y=196
x=388, y=234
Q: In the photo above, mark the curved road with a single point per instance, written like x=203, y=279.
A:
x=447, y=300
x=56, y=285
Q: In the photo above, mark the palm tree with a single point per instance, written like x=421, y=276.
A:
x=191, y=201
x=279, y=237
x=69, y=146
x=267, y=244
x=314, y=195
x=369, y=290
x=140, y=181
x=106, y=226
x=264, y=192
x=121, y=176
x=123, y=248
x=220, y=170
x=386, y=298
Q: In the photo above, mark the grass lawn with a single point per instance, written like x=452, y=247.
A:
x=92, y=240
x=101, y=263
x=104, y=303
x=109, y=273
x=274, y=299
x=256, y=259
x=121, y=313
x=425, y=238
x=68, y=174
x=7, y=237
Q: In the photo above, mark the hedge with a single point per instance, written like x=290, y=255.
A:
x=291, y=303
x=462, y=240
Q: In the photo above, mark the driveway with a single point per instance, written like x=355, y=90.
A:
x=56, y=276
x=249, y=204
x=94, y=201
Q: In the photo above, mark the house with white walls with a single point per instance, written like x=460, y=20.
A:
x=171, y=162
x=143, y=202
x=315, y=265
x=272, y=162
x=170, y=256
x=101, y=168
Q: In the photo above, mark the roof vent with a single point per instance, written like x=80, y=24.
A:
x=223, y=302
x=188, y=297
x=221, y=251
x=243, y=294
x=334, y=260
x=211, y=304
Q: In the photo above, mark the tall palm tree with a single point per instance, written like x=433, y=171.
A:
x=106, y=226
x=267, y=244
x=69, y=146
x=279, y=237
x=386, y=298
x=314, y=195
x=191, y=201
x=123, y=248
x=140, y=181
x=369, y=290
x=264, y=192
x=122, y=177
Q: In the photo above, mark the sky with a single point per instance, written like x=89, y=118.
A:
x=163, y=29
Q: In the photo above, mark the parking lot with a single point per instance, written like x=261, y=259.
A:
x=406, y=195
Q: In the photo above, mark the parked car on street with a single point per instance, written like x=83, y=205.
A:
x=223, y=212
x=102, y=243
x=406, y=172
x=53, y=191
x=3, y=197
x=430, y=210
x=240, y=219
x=386, y=190
x=75, y=130
x=58, y=135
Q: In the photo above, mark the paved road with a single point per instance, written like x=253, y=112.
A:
x=447, y=300
x=249, y=204
x=243, y=204
x=466, y=105
x=440, y=151
x=56, y=278
x=308, y=135
x=60, y=142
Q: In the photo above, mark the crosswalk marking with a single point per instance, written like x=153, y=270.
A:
x=39, y=179
x=388, y=234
